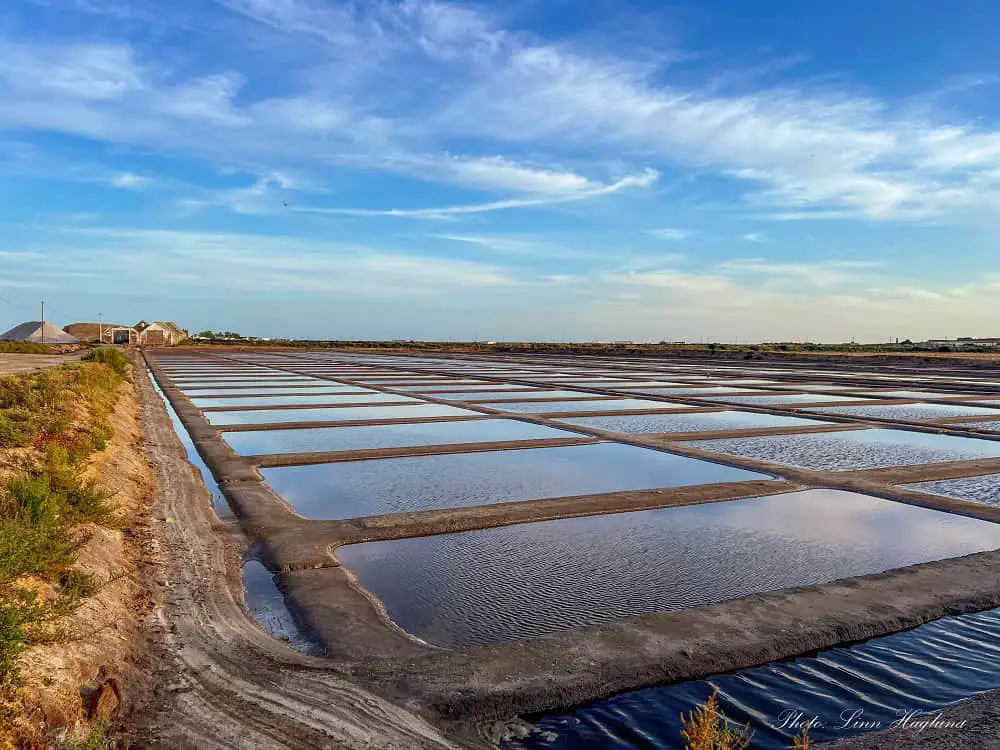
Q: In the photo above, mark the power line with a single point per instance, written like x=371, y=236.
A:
x=13, y=304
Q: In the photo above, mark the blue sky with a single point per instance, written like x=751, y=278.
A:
x=535, y=169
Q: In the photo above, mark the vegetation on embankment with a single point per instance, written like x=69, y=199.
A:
x=51, y=423
x=23, y=347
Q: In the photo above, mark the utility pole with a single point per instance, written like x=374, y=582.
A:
x=100, y=328
x=43, y=321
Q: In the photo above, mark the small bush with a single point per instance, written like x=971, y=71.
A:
x=75, y=585
x=96, y=740
x=116, y=359
x=30, y=549
x=16, y=429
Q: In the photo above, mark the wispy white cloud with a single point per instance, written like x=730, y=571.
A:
x=130, y=181
x=672, y=234
x=645, y=179
x=801, y=150
x=269, y=263
x=755, y=237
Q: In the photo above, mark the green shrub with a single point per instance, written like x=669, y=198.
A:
x=44, y=550
x=116, y=359
x=96, y=740
x=16, y=429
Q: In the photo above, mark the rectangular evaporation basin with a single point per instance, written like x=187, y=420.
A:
x=624, y=384
x=335, y=398
x=288, y=391
x=815, y=387
x=253, y=375
x=696, y=392
x=908, y=411
x=194, y=384
x=389, y=436
x=934, y=395
x=699, y=422
x=513, y=396
x=559, y=407
x=466, y=387
x=400, y=485
x=983, y=489
x=338, y=414
x=788, y=398
x=854, y=449
x=533, y=579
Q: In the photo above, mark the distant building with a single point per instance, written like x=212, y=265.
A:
x=39, y=332
x=103, y=333
x=160, y=333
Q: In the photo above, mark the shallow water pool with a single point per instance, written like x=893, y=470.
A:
x=389, y=436
x=787, y=398
x=698, y=422
x=500, y=395
x=854, y=449
x=565, y=407
x=397, y=485
x=337, y=414
x=333, y=398
x=478, y=587
x=982, y=489
x=908, y=411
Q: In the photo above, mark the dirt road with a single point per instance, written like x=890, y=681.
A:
x=12, y=364
x=219, y=681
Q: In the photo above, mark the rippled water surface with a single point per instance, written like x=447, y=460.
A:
x=333, y=398
x=983, y=489
x=471, y=387
x=933, y=395
x=698, y=422
x=501, y=395
x=925, y=669
x=200, y=385
x=558, y=407
x=389, y=436
x=246, y=379
x=694, y=390
x=909, y=411
x=788, y=398
x=855, y=449
x=337, y=414
x=397, y=485
x=478, y=587
x=295, y=390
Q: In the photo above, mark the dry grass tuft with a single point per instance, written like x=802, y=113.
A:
x=706, y=728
